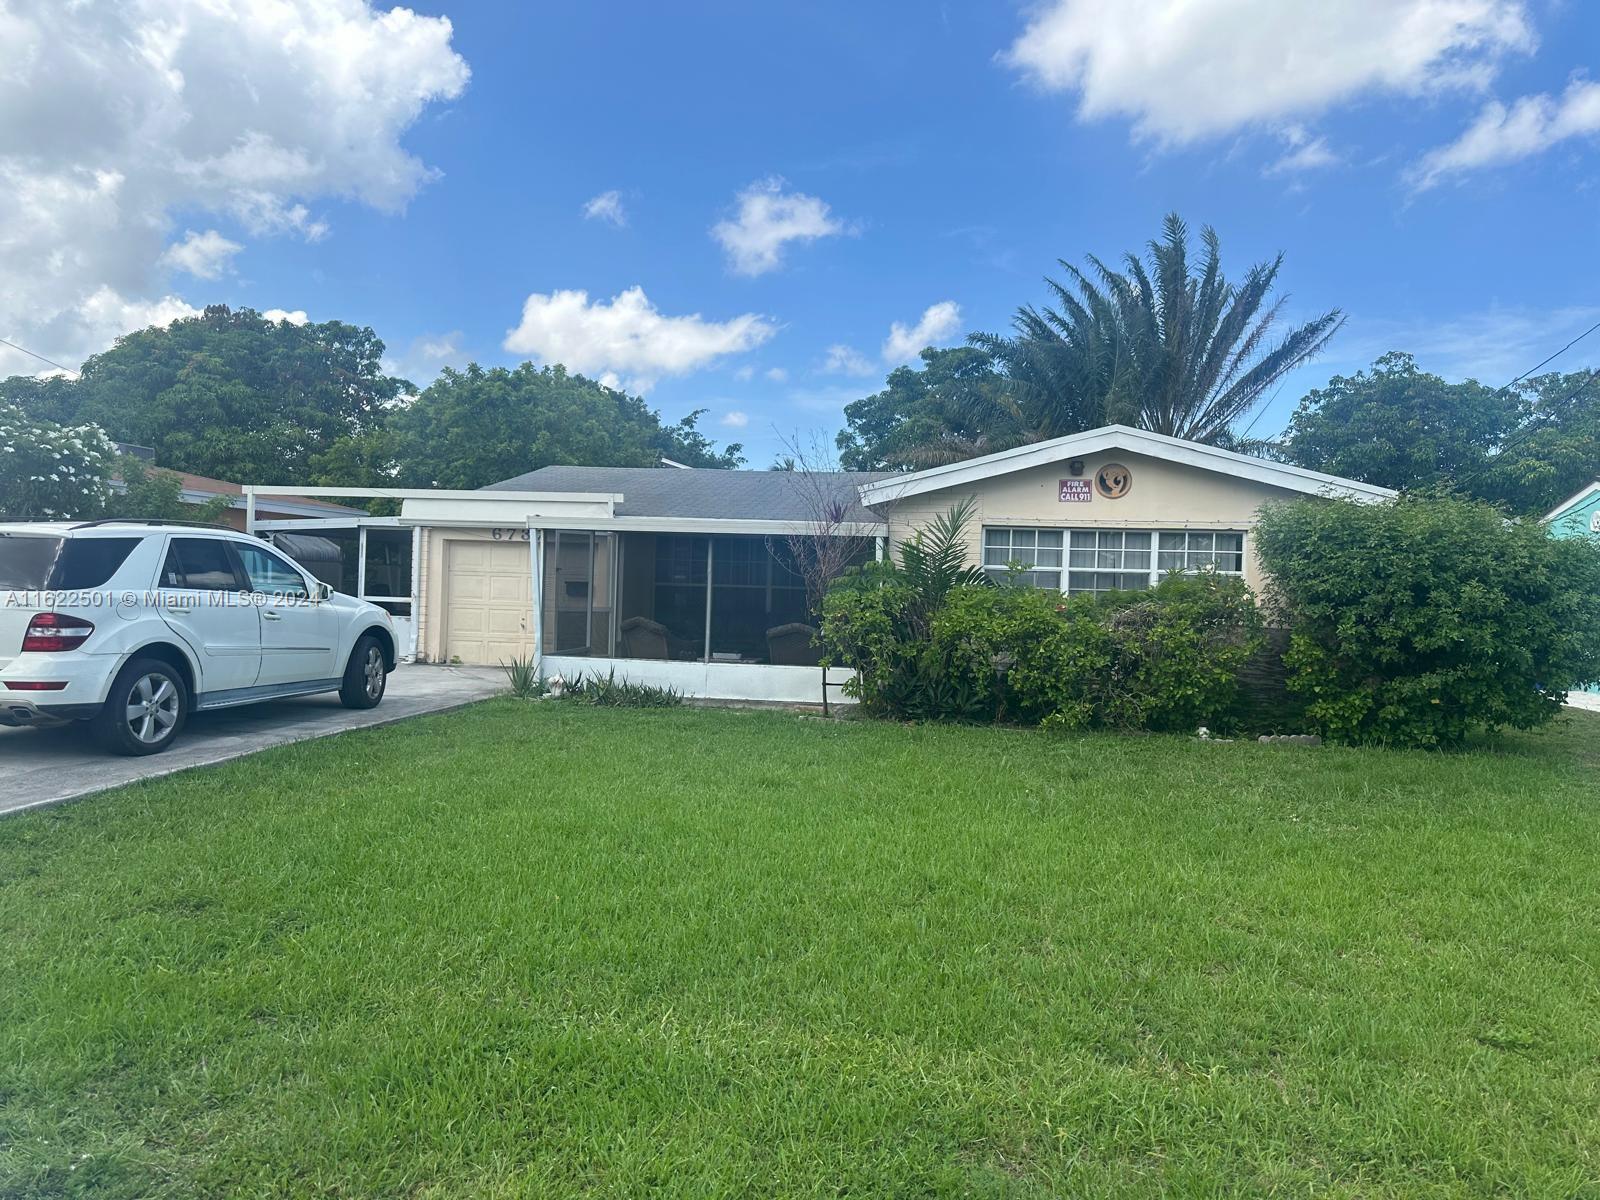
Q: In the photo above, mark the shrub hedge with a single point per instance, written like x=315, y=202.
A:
x=1407, y=623
x=1418, y=621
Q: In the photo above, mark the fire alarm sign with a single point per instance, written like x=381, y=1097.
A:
x=1076, y=491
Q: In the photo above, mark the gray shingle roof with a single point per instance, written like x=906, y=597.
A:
x=699, y=492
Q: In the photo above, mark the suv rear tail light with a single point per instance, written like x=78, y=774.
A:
x=52, y=631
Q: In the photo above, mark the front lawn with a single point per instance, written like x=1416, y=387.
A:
x=537, y=949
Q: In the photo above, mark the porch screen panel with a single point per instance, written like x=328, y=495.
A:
x=750, y=594
x=578, y=575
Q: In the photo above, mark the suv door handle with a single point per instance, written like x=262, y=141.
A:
x=271, y=616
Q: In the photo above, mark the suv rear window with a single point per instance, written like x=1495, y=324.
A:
x=60, y=564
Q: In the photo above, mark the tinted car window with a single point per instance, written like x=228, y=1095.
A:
x=87, y=562
x=270, y=574
x=200, y=564
x=25, y=562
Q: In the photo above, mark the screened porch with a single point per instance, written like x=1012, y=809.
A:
x=678, y=597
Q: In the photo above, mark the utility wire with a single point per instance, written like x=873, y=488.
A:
x=40, y=357
x=1528, y=431
x=1553, y=357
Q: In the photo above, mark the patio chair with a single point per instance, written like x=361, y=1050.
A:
x=643, y=638
x=792, y=645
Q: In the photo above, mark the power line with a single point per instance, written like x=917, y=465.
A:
x=1552, y=358
x=40, y=357
x=1529, y=430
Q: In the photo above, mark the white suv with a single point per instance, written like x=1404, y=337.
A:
x=133, y=625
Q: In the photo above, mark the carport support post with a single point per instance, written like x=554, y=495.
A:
x=536, y=565
x=249, y=509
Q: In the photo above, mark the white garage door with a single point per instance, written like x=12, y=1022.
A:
x=487, y=612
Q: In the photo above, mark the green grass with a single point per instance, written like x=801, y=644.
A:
x=543, y=949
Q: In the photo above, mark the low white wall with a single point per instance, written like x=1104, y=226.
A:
x=711, y=681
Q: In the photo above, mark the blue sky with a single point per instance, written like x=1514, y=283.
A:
x=1428, y=166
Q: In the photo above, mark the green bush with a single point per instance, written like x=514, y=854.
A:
x=1176, y=654
x=1418, y=621
x=876, y=619
x=1018, y=653
x=1164, y=659
x=1167, y=659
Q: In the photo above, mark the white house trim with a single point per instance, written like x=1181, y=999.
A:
x=387, y=493
x=702, y=525
x=1120, y=437
x=1572, y=501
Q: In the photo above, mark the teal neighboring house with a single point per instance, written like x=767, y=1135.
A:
x=1578, y=516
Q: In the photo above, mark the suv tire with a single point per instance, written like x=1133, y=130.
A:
x=366, y=675
x=145, y=709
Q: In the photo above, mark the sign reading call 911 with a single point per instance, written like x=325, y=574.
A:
x=1076, y=491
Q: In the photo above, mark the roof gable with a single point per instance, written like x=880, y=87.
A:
x=1581, y=496
x=1121, y=437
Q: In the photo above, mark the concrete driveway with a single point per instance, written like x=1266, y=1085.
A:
x=46, y=766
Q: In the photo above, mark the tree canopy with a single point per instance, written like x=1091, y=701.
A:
x=230, y=393
x=234, y=395
x=1525, y=447
x=954, y=406
x=477, y=426
x=1165, y=343
x=50, y=470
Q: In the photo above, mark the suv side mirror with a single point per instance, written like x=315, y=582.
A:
x=320, y=591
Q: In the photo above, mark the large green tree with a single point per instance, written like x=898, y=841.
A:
x=1524, y=447
x=474, y=427
x=229, y=393
x=1165, y=343
x=954, y=406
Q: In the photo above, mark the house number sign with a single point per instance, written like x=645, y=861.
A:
x=509, y=535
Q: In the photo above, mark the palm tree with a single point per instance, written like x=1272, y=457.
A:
x=1161, y=347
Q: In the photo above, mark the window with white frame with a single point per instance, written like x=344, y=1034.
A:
x=1037, y=551
x=1198, y=550
x=1103, y=560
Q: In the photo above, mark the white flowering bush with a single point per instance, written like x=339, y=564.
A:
x=52, y=471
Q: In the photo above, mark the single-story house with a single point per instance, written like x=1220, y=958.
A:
x=1578, y=516
x=688, y=577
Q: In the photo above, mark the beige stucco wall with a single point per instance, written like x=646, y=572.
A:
x=1164, y=495
x=431, y=585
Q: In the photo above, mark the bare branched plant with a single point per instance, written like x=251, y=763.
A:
x=822, y=549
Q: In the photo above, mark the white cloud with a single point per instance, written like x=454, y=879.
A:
x=776, y=374
x=120, y=115
x=627, y=337
x=769, y=218
x=607, y=206
x=745, y=373
x=205, y=255
x=735, y=419
x=286, y=316
x=1183, y=70
x=105, y=315
x=938, y=322
x=903, y=345
x=847, y=360
x=1503, y=134
x=425, y=356
x=1303, y=153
